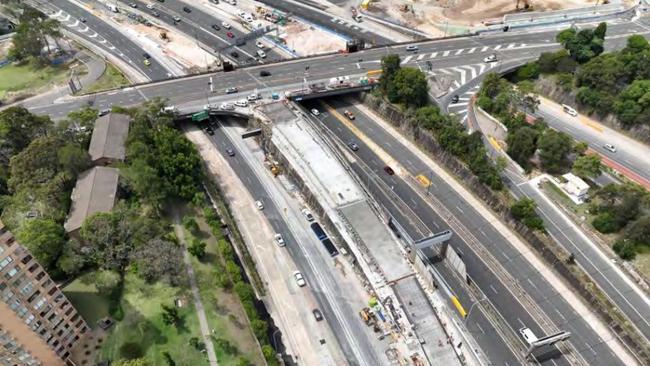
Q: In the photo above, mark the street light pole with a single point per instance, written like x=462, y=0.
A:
x=472, y=307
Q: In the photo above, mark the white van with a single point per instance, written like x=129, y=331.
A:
x=570, y=111
x=261, y=54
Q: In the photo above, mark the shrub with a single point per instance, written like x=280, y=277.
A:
x=131, y=350
x=606, y=223
x=625, y=250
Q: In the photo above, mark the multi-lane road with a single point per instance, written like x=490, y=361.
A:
x=593, y=349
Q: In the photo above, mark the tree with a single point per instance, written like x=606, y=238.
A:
x=135, y=362
x=73, y=159
x=390, y=64
x=168, y=359
x=554, y=147
x=409, y=86
x=72, y=259
x=633, y=105
x=36, y=164
x=580, y=148
x=625, y=250
x=638, y=231
x=600, y=30
x=565, y=36
x=107, y=282
x=528, y=71
x=18, y=127
x=44, y=239
x=190, y=224
x=197, y=248
x=522, y=145
x=31, y=34
x=587, y=166
x=131, y=350
x=170, y=315
x=160, y=259
x=524, y=210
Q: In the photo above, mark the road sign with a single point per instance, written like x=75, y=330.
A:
x=200, y=116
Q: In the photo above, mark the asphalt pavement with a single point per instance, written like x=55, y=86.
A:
x=586, y=342
x=105, y=36
x=310, y=258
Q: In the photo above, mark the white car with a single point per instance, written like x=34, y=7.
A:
x=300, y=280
x=279, y=240
x=259, y=45
x=610, y=148
x=241, y=103
x=412, y=48
x=315, y=112
x=490, y=58
x=150, y=6
x=261, y=54
x=207, y=107
x=307, y=214
x=227, y=106
x=253, y=97
x=260, y=205
x=226, y=25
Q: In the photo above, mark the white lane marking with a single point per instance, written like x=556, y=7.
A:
x=433, y=55
x=471, y=70
x=459, y=51
x=456, y=84
x=462, y=72
x=406, y=59
x=484, y=49
x=481, y=68
x=472, y=50
x=497, y=47
x=511, y=45
x=445, y=54
x=420, y=57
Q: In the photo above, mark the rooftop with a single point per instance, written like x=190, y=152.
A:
x=95, y=191
x=109, y=137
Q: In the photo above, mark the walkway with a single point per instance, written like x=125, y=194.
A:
x=200, y=311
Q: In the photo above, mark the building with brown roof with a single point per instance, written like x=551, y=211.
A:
x=95, y=191
x=38, y=325
x=107, y=144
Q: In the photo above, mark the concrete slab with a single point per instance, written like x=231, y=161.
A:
x=380, y=243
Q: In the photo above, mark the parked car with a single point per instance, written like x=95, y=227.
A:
x=241, y=103
x=133, y=5
x=315, y=112
x=349, y=114
x=307, y=214
x=232, y=90
x=300, y=280
x=265, y=73
x=230, y=35
x=259, y=44
x=210, y=131
x=259, y=205
x=261, y=54
x=226, y=25
x=389, y=170
x=227, y=106
x=317, y=315
x=234, y=54
x=146, y=55
x=610, y=148
x=216, y=27
x=279, y=240
x=253, y=97
x=147, y=62
x=150, y=6
x=103, y=112
x=353, y=146
x=230, y=152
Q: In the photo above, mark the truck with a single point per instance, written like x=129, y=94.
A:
x=339, y=82
x=329, y=246
x=318, y=230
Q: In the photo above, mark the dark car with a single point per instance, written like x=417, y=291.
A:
x=265, y=73
x=234, y=54
x=133, y=5
x=353, y=146
x=210, y=131
x=186, y=9
x=146, y=55
x=317, y=314
x=103, y=112
x=82, y=19
x=155, y=13
x=230, y=152
x=389, y=170
x=216, y=27
x=231, y=90
x=455, y=99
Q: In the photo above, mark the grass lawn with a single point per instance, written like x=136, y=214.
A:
x=112, y=78
x=28, y=77
x=223, y=309
x=83, y=294
x=143, y=325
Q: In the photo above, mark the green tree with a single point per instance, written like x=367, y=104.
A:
x=565, y=36
x=18, y=127
x=72, y=259
x=197, y=248
x=107, y=282
x=530, y=70
x=524, y=210
x=409, y=86
x=190, y=224
x=638, y=231
x=131, y=350
x=73, y=159
x=168, y=359
x=554, y=147
x=31, y=32
x=522, y=145
x=44, y=239
x=625, y=250
x=135, y=362
x=580, y=148
x=633, y=105
x=390, y=65
x=170, y=315
x=36, y=164
x=160, y=260
x=587, y=166
x=600, y=30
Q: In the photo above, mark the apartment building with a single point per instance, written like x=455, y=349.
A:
x=38, y=325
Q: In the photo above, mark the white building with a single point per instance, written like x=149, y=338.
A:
x=575, y=187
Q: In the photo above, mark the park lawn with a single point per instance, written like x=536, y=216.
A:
x=111, y=78
x=223, y=308
x=28, y=78
x=143, y=325
x=83, y=294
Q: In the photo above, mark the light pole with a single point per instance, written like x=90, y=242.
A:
x=472, y=307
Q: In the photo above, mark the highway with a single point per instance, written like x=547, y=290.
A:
x=586, y=342
x=311, y=259
x=104, y=36
x=198, y=25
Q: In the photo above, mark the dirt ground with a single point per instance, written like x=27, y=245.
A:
x=438, y=17
x=309, y=41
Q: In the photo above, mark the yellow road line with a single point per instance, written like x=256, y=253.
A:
x=459, y=306
x=494, y=143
